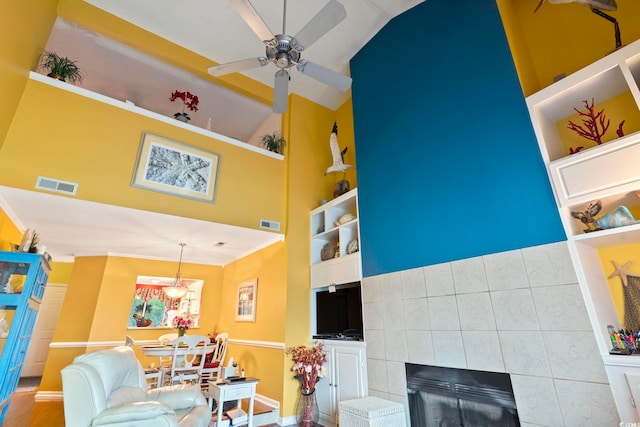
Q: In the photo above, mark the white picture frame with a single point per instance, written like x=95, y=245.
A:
x=174, y=168
x=246, y=300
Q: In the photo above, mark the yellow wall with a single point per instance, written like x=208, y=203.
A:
x=621, y=255
x=60, y=272
x=561, y=38
x=87, y=148
x=98, y=301
x=24, y=29
x=269, y=267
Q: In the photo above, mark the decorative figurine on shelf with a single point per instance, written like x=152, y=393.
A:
x=619, y=217
x=594, y=125
x=597, y=7
x=338, y=165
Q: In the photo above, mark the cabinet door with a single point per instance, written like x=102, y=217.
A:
x=349, y=367
x=325, y=390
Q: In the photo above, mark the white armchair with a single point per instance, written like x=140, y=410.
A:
x=108, y=388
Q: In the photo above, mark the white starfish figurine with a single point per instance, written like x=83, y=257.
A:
x=622, y=271
x=595, y=4
x=338, y=162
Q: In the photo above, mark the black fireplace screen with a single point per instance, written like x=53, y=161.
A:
x=449, y=397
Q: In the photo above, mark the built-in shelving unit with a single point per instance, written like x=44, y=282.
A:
x=610, y=173
x=335, y=231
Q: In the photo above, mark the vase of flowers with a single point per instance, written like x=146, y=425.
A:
x=189, y=102
x=308, y=366
x=182, y=323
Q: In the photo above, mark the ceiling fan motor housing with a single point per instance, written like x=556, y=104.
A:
x=281, y=52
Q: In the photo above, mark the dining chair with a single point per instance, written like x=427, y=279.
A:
x=164, y=362
x=214, y=362
x=188, y=350
x=153, y=375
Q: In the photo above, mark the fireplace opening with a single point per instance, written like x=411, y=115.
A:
x=450, y=397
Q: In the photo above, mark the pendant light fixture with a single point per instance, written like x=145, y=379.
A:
x=176, y=290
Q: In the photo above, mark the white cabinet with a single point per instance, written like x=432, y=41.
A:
x=346, y=378
x=335, y=242
x=609, y=172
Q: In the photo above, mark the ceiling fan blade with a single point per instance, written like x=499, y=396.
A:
x=325, y=75
x=253, y=20
x=280, y=91
x=233, y=67
x=326, y=19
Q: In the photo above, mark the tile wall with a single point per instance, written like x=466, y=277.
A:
x=519, y=312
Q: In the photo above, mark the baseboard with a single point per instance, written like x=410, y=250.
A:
x=266, y=401
x=288, y=421
x=48, y=396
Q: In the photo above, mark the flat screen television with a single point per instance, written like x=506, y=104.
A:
x=339, y=313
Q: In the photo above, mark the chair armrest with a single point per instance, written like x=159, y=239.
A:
x=178, y=396
x=136, y=411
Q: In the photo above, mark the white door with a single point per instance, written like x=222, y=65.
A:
x=325, y=392
x=43, y=331
x=349, y=365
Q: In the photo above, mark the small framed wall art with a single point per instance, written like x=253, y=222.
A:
x=175, y=168
x=246, y=301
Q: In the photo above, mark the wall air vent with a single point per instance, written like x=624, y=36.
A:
x=56, y=185
x=270, y=225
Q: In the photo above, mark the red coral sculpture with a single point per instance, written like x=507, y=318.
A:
x=594, y=125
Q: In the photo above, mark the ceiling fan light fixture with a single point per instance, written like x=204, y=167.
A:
x=176, y=290
x=282, y=60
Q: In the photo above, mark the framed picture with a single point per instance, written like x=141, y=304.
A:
x=246, y=301
x=174, y=168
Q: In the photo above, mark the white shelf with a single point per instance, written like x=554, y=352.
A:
x=327, y=228
x=609, y=172
x=611, y=76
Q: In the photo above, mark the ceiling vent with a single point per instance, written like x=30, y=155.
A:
x=51, y=184
x=270, y=225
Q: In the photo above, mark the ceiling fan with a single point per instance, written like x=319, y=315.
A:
x=284, y=51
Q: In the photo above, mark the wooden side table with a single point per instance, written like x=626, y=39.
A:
x=236, y=390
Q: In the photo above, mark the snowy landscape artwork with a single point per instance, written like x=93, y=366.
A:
x=174, y=168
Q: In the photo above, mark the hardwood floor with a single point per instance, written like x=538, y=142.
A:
x=25, y=412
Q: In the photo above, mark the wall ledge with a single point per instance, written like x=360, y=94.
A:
x=147, y=113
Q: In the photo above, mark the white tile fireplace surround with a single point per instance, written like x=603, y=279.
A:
x=519, y=312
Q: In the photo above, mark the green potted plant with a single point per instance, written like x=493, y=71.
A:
x=273, y=142
x=61, y=68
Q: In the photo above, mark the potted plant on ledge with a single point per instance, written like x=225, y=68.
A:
x=273, y=142
x=60, y=67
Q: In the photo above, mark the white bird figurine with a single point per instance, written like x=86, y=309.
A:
x=595, y=4
x=338, y=159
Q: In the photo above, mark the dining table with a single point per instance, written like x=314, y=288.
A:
x=162, y=350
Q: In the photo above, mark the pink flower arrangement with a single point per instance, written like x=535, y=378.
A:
x=189, y=100
x=181, y=322
x=308, y=364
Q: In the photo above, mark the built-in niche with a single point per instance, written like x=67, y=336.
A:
x=153, y=308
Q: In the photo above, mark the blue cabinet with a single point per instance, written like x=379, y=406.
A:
x=23, y=277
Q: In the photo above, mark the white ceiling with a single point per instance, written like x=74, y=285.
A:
x=69, y=227
x=212, y=28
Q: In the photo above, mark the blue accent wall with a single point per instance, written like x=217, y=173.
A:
x=448, y=164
